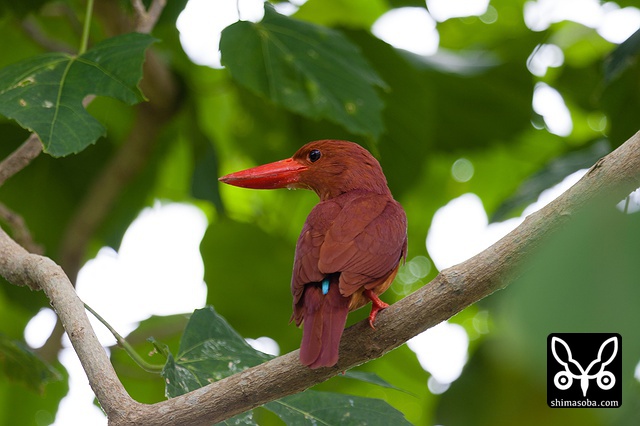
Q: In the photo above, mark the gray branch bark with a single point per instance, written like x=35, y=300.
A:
x=455, y=288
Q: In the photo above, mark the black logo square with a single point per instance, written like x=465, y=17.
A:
x=584, y=370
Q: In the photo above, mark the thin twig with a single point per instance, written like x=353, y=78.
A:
x=122, y=342
x=84, y=41
x=20, y=158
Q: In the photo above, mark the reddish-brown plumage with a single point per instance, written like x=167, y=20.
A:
x=354, y=239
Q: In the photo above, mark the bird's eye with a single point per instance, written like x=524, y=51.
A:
x=314, y=155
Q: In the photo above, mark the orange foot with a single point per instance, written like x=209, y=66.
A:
x=376, y=306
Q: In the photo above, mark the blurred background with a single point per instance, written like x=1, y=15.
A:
x=480, y=113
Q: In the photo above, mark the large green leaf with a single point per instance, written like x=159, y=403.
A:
x=211, y=350
x=326, y=408
x=44, y=93
x=308, y=69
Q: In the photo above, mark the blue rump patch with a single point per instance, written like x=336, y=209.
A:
x=325, y=286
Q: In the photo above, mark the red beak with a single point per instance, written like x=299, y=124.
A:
x=281, y=174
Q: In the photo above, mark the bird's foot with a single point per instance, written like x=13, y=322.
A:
x=376, y=306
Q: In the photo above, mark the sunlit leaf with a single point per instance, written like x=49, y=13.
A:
x=44, y=93
x=311, y=70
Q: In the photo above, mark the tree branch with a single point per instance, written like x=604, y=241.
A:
x=20, y=158
x=38, y=272
x=146, y=18
x=455, y=288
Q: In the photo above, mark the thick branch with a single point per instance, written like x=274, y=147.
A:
x=455, y=288
x=37, y=272
x=610, y=179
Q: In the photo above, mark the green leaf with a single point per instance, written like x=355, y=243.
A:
x=226, y=248
x=44, y=93
x=245, y=418
x=368, y=377
x=326, y=408
x=551, y=174
x=20, y=364
x=308, y=69
x=623, y=56
x=210, y=350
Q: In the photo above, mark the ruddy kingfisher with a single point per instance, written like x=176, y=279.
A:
x=351, y=244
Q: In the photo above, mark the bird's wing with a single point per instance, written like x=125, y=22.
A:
x=305, y=265
x=365, y=241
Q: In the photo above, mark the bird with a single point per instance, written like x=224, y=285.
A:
x=351, y=245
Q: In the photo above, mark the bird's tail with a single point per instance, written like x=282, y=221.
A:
x=324, y=318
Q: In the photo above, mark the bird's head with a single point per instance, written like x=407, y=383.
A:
x=328, y=167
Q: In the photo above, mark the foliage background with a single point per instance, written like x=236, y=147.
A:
x=208, y=122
